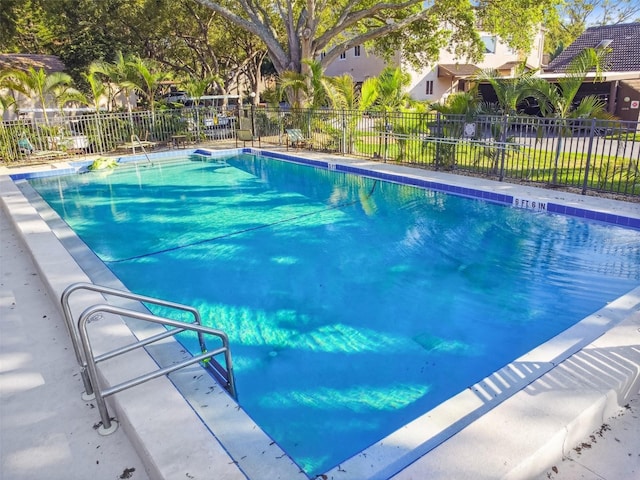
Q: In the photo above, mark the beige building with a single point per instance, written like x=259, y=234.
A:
x=448, y=75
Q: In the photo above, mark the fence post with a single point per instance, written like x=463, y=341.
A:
x=386, y=137
x=503, y=140
x=344, y=132
x=589, y=150
x=438, y=135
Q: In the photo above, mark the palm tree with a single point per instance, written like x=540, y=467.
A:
x=413, y=122
x=117, y=80
x=295, y=85
x=460, y=103
x=342, y=94
x=196, y=88
x=146, y=80
x=305, y=90
x=116, y=74
x=97, y=91
x=557, y=100
x=391, y=86
x=65, y=94
x=317, y=85
x=458, y=106
x=391, y=97
x=511, y=92
x=40, y=86
x=7, y=100
x=97, y=88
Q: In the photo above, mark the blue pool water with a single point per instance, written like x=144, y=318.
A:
x=353, y=305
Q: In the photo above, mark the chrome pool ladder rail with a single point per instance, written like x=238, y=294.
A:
x=93, y=313
x=87, y=362
x=136, y=138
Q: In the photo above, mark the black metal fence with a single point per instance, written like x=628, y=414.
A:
x=586, y=154
x=105, y=133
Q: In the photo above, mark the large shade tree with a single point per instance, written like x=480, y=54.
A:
x=295, y=30
x=24, y=27
x=186, y=38
x=195, y=42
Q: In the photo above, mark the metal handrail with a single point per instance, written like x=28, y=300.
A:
x=93, y=313
x=137, y=138
x=74, y=334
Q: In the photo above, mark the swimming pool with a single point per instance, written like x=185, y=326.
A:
x=458, y=284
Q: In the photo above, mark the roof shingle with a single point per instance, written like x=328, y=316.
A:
x=23, y=61
x=625, y=47
x=460, y=70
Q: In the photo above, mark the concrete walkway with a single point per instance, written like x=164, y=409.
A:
x=46, y=429
x=611, y=452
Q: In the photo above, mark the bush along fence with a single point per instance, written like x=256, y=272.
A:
x=586, y=154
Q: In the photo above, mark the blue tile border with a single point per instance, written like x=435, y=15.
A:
x=43, y=174
x=289, y=158
x=218, y=153
x=162, y=155
x=484, y=195
x=488, y=196
x=604, y=217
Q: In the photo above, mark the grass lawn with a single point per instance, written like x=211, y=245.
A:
x=605, y=172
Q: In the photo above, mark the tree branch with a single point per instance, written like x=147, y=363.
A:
x=348, y=19
x=257, y=27
x=365, y=37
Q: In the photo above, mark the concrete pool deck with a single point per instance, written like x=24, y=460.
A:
x=524, y=437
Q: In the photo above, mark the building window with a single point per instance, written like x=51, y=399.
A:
x=429, y=87
x=343, y=55
x=489, y=43
x=356, y=51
